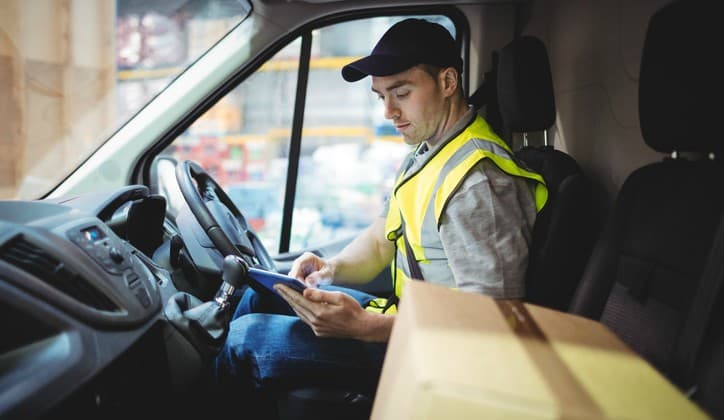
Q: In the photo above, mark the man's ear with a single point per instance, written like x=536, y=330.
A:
x=449, y=80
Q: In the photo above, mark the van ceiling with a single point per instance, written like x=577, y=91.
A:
x=204, y=8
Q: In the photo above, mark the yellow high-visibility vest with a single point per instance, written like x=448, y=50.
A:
x=419, y=199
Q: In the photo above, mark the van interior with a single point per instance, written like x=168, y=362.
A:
x=144, y=144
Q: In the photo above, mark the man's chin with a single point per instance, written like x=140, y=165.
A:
x=411, y=141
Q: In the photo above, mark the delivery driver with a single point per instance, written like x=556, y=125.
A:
x=461, y=215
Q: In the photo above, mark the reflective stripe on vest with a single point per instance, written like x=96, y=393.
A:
x=420, y=198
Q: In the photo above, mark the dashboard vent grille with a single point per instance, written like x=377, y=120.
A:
x=47, y=268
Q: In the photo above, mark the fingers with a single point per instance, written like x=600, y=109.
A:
x=323, y=296
x=313, y=307
x=304, y=265
x=294, y=271
x=290, y=295
x=317, y=278
x=311, y=270
x=297, y=302
x=328, y=314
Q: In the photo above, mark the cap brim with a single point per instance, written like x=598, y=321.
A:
x=376, y=65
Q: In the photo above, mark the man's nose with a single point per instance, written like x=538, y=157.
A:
x=391, y=110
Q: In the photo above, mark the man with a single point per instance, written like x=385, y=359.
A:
x=462, y=210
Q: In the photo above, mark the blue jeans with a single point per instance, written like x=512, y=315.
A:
x=269, y=349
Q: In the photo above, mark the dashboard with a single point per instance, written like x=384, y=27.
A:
x=83, y=328
x=92, y=289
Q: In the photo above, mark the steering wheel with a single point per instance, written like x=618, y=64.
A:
x=219, y=217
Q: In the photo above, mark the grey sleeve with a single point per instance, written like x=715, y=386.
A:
x=486, y=230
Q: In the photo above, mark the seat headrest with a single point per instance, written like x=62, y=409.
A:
x=680, y=85
x=525, y=86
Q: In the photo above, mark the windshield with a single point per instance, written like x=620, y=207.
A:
x=74, y=81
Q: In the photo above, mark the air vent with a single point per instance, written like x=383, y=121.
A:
x=45, y=267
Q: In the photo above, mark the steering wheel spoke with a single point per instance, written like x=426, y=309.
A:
x=219, y=217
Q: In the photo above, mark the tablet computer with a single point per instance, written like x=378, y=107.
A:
x=267, y=279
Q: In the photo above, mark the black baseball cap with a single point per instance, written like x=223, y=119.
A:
x=406, y=44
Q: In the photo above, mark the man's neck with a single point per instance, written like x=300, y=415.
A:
x=457, y=111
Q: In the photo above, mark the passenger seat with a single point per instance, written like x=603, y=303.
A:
x=646, y=278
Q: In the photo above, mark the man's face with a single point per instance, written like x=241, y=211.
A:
x=414, y=102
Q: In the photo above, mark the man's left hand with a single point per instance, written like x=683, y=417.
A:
x=329, y=314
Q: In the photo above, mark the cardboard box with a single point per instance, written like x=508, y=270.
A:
x=457, y=355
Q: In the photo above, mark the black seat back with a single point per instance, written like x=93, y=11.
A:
x=565, y=229
x=644, y=275
x=564, y=232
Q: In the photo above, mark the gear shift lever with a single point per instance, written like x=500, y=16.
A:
x=235, y=270
x=205, y=324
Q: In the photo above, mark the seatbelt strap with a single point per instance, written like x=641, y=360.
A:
x=702, y=306
x=412, y=263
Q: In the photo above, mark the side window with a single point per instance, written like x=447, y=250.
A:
x=243, y=142
x=348, y=155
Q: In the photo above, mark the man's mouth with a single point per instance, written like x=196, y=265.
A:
x=401, y=127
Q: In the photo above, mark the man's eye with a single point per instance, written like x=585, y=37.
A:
x=401, y=95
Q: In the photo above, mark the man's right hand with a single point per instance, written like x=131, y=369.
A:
x=312, y=270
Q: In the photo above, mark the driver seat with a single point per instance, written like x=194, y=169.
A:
x=324, y=404
x=565, y=230
x=518, y=92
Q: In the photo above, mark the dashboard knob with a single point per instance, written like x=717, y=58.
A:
x=116, y=255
